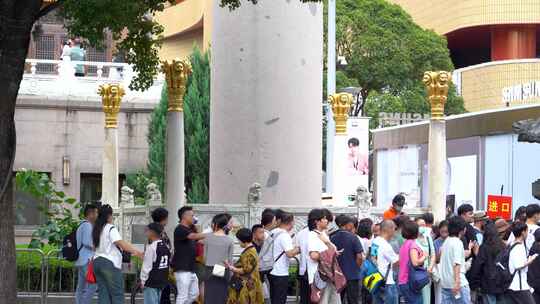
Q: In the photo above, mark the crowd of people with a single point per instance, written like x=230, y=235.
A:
x=467, y=258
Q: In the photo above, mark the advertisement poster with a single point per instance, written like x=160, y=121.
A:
x=499, y=207
x=354, y=154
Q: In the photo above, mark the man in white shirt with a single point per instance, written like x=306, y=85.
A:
x=455, y=287
x=301, y=241
x=518, y=264
x=268, y=220
x=533, y=217
x=283, y=250
x=386, y=259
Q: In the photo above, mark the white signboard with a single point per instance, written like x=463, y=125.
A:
x=521, y=92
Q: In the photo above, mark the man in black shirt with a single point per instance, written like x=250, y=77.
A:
x=466, y=212
x=183, y=262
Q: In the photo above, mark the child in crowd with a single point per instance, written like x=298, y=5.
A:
x=155, y=267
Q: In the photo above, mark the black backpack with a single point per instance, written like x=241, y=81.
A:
x=70, y=251
x=503, y=276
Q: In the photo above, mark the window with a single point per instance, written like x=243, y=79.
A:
x=28, y=209
x=96, y=55
x=91, y=187
x=45, y=49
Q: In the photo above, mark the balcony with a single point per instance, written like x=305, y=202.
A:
x=55, y=79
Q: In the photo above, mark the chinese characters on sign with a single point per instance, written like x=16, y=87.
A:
x=499, y=206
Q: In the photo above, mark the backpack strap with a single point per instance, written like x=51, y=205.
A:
x=80, y=224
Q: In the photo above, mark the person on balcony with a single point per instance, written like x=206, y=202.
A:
x=78, y=54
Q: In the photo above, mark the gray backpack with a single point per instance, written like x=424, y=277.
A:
x=266, y=256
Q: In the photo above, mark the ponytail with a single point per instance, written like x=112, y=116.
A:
x=103, y=215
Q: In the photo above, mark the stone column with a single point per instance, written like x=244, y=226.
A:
x=437, y=87
x=176, y=75
x=341, y=104
x=111, y=95
x=266, y=88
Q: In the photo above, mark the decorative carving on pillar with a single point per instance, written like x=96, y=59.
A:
x=126, y=197
x=437, y=87
x=153, y=195
x=111, y=95
x=254, y=195
x=255, y=204
x=341, y=104
x=176, y=74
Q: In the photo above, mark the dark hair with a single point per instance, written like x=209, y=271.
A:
x=159, y=214
x=157, y=228
x=279, y=214
x=267, y=217
x=353, y=141
x=521, y=214
x=456, y=224
x=104, y=213
x=443, y=223
x=398, y=200
x=400, y=219
x=244, y=235
x=532, y=210
x=89, y=207
x=365, y=228
x=409, y=230
x=428, y=218
x=492, y=240
x=518, y=228
x=255, y=227
x=537, y=235
x=342, y=220
x=464, y=209
x=219, y=221
x=314, y=216
x=287, y=218
x=183, y=210
x=328, y=215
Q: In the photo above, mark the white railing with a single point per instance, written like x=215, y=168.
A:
x=56, y=78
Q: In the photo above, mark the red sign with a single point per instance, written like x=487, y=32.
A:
x=499, y=206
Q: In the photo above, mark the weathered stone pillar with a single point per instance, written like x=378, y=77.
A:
x=176, y=75
x=111, y=95
x=341, y=104
x=266, y=117
x=437, y=86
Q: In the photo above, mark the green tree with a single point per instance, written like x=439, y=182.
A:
x=137, y=34
x=157, y=140
x=197, y=123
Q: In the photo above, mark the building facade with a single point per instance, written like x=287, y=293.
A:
x=494, y=45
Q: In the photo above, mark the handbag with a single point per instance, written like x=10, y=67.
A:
x=418, y=276
x=90, y=275
x=218, y=271
x=236, y=282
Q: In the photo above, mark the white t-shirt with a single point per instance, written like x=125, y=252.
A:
x=107, y=249
x=452, y=253
x=530, y=236
x=283, y=242
x=301, y=240
x=366, y=243
x=385, y=257
x=314, y=245
x=518, y=258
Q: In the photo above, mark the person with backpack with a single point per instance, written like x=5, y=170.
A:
x=455, y=287
x=84, y=252
x=533, y=217
x=266, y=256
x=425, y=242
x=409, y=253
x=155, y=266
x=533, y=275
x=483, y=271
x=108, y=257
x=519, y=291
x=283, y=249
x=351, y=257
x=386, y=260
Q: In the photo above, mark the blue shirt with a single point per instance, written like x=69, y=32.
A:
x=438, y=244
x=347, y=259
x=84, y=239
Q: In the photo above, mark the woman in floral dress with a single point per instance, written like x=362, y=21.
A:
x=247, y=271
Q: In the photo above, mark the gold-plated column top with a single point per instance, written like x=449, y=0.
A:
x=176, y=74
x=111, y=95
x=437, y=87
x=341, y=104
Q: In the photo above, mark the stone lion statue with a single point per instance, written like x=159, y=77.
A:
x=152, y=192
x=126, y=196
x=363, y=198
x=255, y=193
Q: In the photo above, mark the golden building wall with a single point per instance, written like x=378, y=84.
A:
x=181, y=46
x=494, y=85
x=447, y=16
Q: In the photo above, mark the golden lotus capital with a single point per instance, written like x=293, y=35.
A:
x=176, y=75
x=341, y=104
x=437, y=84
x=111, y=96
